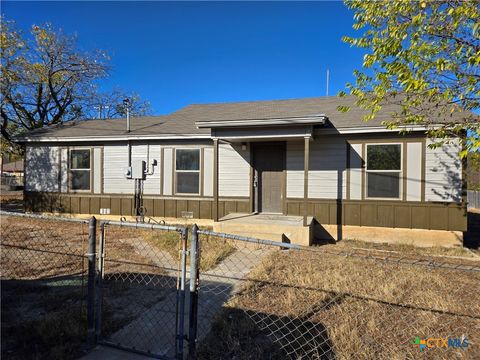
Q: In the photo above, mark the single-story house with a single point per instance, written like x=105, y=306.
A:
x=304, y=168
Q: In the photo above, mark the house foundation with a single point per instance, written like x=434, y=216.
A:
x=416, y=237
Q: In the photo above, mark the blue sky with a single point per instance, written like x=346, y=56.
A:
x=177, y=53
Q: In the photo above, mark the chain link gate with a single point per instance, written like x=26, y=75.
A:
x=221, y=266
x=141, y=288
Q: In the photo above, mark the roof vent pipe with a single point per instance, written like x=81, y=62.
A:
x=126, y=104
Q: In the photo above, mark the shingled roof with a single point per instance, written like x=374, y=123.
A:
x=184, y=122
x=282, y=109
x=166, y=126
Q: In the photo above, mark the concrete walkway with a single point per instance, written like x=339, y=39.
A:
x=159, y=257
x=154, y=329
x=218, y=285
x=108, y=353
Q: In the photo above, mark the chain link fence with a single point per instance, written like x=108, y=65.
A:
x=140, y=293
x=151, y=289
x=264, y=301
x=43, y=287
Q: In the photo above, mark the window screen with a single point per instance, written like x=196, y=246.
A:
x=384, y=167
x=384, y=157
x=80, y=169
x=187, y=168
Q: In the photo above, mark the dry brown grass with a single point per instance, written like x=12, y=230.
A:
x=403, y=249
x=330, y=306
x=296, y=302
x=43, y=319
x=34, y=249
x=44, y=286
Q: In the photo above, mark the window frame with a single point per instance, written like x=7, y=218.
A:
x=400, y=172
x=90, y=170
x=199, y=171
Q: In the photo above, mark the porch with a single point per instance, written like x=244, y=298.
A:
x=265, y=150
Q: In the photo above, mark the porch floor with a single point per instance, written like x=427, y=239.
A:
x=276, y=227
x=270, y=219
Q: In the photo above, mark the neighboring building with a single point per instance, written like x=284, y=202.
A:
x=13, y=168
x=12, y=175
x=336, y=174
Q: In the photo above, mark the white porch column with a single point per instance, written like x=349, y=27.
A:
x=215, y=179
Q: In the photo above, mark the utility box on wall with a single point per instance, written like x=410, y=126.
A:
x=138, y=169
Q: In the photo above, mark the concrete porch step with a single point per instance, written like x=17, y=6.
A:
x=267, y=226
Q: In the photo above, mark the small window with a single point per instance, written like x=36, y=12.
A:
x=384, y=168
x=80, y=169
x=187, y=169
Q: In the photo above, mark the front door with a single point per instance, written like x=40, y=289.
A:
x=269, y=163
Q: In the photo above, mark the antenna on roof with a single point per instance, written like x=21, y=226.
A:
x=328, y=78
x=100, y=109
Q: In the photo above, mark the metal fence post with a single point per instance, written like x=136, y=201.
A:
x=99, y=283
x=194, y=279
x=92, y=229
x=181, y=293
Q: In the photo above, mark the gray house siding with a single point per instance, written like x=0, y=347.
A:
x=233, y=171
x=64, y=169
x=148, y=153
x=208, y=171
x=355, y=171
x=167, y=171
x=42, y=168
x=430, y=189
x=443, y=178
x=327, y=173
x=413, y=171
x=115, y=161
x=47, y=170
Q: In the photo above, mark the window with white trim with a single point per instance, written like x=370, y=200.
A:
x=80, y=169
x=187, y=171
x=383, y=171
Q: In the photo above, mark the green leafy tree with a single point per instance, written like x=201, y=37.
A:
x=46, y=80
x=473, y=171
x=423, y=56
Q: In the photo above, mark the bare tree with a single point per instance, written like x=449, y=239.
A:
x=47, y=80
x=110, y=105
